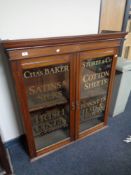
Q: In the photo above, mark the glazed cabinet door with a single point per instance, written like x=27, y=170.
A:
x=47, y=90
x=96, y=71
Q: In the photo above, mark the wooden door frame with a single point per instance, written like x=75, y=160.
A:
x=94, y=54
x=18, y=68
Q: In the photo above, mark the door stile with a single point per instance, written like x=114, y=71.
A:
x=110, y=88
x=72, y=96
x=78, y=76
x=17, y=74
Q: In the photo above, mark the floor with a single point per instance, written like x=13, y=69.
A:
x=103, y=153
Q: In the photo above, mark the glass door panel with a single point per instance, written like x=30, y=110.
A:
x=95, y=75
x=48, y=94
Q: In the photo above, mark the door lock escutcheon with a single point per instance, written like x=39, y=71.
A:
x=77, y=105
x=73, y=106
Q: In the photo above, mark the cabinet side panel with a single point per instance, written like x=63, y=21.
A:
x=17, y=75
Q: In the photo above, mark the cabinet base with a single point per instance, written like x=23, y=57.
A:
x=61, y=145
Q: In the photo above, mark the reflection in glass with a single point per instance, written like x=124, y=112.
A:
x=94, y=85
x=47, y=90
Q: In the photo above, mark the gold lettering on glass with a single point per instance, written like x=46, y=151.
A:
x=94, y=86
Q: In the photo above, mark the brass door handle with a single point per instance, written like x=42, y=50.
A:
x=73, y=106
x=77, y=105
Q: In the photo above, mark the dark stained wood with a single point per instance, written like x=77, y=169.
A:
x=4, y=161
x=61, y=50
x=44, y=61
x=11, y=44
x=47, y=51
x=96, y=53
x=53, y=147
x=78, y=86
x=17, y=75
x=112, y=77
x=72, y=97
x=91, y=130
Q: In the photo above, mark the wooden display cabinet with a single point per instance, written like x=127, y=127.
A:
x=63, y=85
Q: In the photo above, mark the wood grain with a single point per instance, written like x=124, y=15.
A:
x=72, y=50
x=26, y=43
x=112, y=13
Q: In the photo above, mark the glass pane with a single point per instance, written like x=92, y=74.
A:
x=94, y=86
x=47, y=90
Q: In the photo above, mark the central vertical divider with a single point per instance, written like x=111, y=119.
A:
x=77, y=84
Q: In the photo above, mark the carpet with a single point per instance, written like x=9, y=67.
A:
x=103, y=153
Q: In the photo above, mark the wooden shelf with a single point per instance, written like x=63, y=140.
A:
x=94, y=95
x=45, y=105
x=92, y=118
x=41, y=133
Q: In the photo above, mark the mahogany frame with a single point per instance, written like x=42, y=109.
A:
x=40, y=52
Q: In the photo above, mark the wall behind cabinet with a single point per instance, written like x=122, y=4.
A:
x=33, y=19
x=45, y=18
